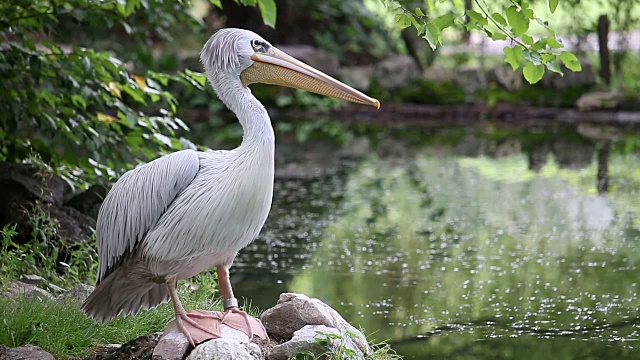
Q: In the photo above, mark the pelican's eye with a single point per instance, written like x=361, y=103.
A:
x=259, y=45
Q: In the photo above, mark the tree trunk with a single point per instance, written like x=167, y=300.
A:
x=603, y=43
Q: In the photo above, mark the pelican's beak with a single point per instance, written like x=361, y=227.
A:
x=277, y=68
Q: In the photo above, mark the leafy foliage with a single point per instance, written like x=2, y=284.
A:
x=514, y=24
x=82, y=109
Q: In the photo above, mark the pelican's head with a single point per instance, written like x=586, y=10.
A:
x=245, y=54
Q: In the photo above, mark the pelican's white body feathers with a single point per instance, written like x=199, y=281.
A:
x=191, y=210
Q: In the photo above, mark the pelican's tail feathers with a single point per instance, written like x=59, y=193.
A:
x=122, y=292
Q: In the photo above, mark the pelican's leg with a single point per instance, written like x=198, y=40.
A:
x=183, y=317
x=231, y=307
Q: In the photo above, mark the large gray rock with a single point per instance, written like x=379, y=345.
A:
x=317, y=341
x=29, y=291
x=225, y=349
x=27, y=181
x=294, y=311
x=89, y=201
x=27, y=352
x=319, y=59
x=396, y=71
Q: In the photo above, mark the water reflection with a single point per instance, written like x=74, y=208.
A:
x=482, y=247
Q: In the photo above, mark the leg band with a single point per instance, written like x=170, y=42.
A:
x=229, y=303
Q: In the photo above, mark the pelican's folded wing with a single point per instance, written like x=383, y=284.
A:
x=136, y=202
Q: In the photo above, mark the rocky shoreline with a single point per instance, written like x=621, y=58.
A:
x=297, y=326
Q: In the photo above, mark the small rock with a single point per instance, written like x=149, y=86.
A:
x=294, y=311
x=26, y=352
x=174, y=345
x=79, y=293
x=599, y=100
x=223, y=349
x=29, y=291
x=40, y=282
x=316, y=340
x=54, y=289
x=32, y=279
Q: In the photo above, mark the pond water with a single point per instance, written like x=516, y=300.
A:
x=476, y=242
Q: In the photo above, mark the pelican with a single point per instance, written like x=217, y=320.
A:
x=189, y=211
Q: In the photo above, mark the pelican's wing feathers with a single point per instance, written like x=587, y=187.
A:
x=136, y=202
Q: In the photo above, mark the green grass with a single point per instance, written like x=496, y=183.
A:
x=59, y=327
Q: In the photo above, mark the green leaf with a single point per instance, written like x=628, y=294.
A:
x=419, y=12
x=199, y=77
x=477, y=17
x=570, y=61
x=498, y=36
x=432, y=35
x=131, y=6
x=499, y=19
x=532, y=56
x=392, y=4
x=545, y=24
x=533, y=73
x=539, y=45
x=527, y=39
x=443, y=21
x=513, y=56
x=554, y=66
x=529, y=14
x=268, y=11
x=404, y=20
x=553, y=5
x=554, y=43
x=216, y=3
x=518, y=21
x=78, y=100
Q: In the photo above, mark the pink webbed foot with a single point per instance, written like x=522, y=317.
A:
x=199, y=326
x=240, y=320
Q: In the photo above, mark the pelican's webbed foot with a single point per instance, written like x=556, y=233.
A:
x=240, y=320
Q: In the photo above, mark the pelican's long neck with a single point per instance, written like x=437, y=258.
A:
x=256, y=125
